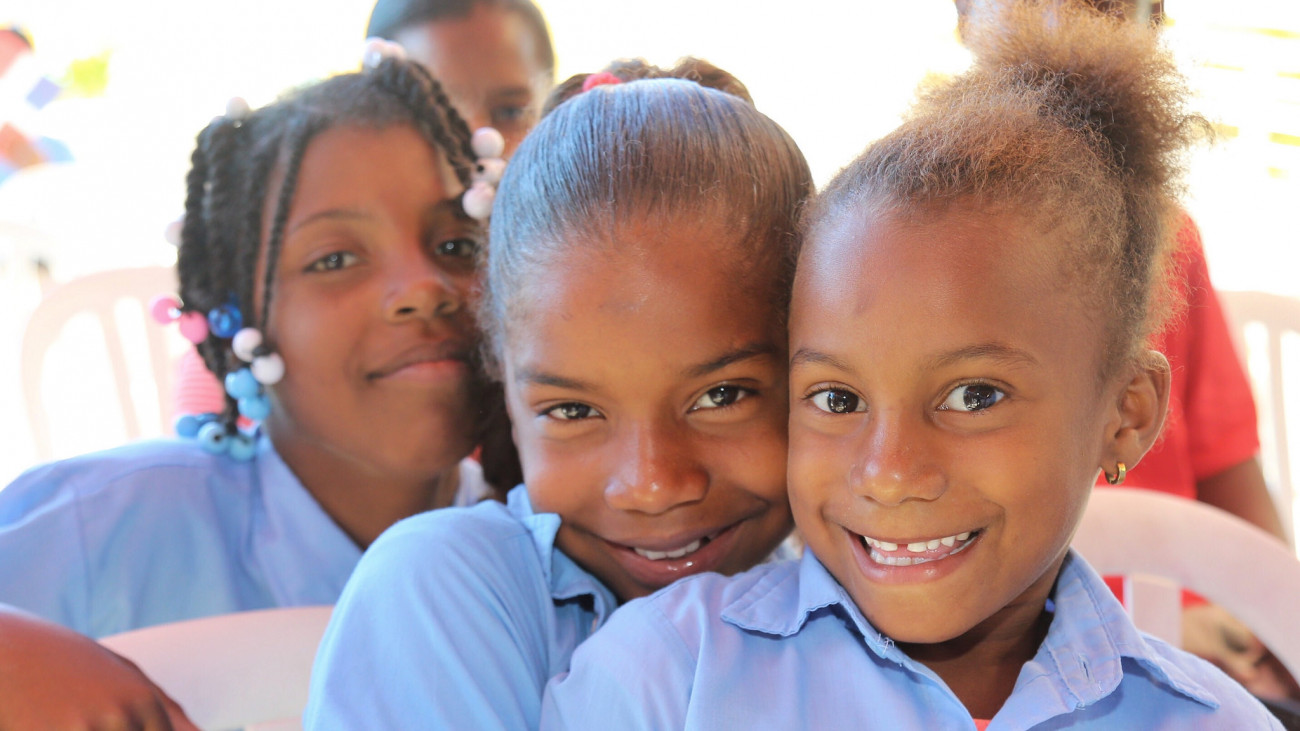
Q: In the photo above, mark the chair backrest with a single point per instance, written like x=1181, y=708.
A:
x=244, y=670
x=1141, y=533
x=1267, y=329
x=99, y=295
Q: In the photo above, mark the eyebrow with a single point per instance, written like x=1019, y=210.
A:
x=992, y=351
x=754, y=350
x=332, y=214
x=999, y=352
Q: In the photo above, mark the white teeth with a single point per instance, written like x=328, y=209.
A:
x=880, y=548
x=692, y=547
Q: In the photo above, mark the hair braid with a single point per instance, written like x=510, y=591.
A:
x=434, y=115
x=295, y=147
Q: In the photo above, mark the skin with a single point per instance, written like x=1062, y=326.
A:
x=647, y=387
x=369, y=311
x=964, y=410
x=488, y=61
x=41, y=662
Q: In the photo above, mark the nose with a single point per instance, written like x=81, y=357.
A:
x=420, y=290
x=895, y=462
x=658, y=471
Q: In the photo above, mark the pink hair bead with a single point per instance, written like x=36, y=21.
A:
x=163, y=308
x=194, y=326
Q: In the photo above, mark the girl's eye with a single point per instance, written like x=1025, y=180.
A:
x=459, y=248
x=972, y=397
x=719, y=396
x=571, y=412
x=504, y=116
x=838, y=401
x=333, y=262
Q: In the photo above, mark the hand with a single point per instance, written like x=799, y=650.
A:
x=54, y=678
x=1213, y=634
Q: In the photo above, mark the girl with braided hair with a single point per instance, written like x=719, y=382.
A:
x=327, y=262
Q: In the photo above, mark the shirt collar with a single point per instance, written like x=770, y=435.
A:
x=1084, y=647
x=566, y=579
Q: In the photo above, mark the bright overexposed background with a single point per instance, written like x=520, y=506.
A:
x=835, y=73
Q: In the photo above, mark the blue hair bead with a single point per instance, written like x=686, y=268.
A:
x=243, y=447
x=224, y=321
x=188, y=425
x=241, y=384
x=254, y=407
x=213, y=438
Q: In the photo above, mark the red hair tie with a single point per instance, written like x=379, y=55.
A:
x=599, y=78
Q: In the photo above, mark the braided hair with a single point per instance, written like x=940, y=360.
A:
x=242, y=165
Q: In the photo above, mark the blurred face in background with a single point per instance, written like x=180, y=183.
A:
x=490, y=63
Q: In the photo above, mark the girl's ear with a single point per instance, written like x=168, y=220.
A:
x=1139, y=414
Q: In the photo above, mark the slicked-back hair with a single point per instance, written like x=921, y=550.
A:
x=665, y=150
x=1070, y=119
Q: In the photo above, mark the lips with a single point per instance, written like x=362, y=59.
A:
x=445, y=351
x=659, y=562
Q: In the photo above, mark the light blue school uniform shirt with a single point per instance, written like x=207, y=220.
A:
x=162, y=531
x=785, y=647
x=455, y=619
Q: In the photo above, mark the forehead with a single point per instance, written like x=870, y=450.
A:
x=489, y=49
x=938, y=280
x=680, y=288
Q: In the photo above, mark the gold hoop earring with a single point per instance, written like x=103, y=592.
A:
x=1120, y=472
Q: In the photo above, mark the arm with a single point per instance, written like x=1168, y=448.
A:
x=51, y=677
x=1240, y=490
x=438, y=628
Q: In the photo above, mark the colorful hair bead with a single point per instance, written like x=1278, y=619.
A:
x=245, y=343
x=188, y=425
x=241, y=384
x=224, y=320
x=256, y=408
x=164, y=309
x=193, y=326
x=268, y=369
x=213, y=438
x=241, y=446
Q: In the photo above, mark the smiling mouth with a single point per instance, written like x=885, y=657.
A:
x=686, y=550
x=917, y=552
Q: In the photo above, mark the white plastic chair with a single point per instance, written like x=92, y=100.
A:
x=1267, y=329
x=99, y=294
x=245, y=670
x=1161, y=543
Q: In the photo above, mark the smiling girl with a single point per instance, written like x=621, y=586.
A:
x=326, y=267
x=641, y=254
x=967, y=337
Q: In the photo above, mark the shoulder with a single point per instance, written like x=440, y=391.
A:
x=478, y=546
x=1200, y=680
x=158, y=466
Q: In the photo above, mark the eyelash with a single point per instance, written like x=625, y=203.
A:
x=1000, y=395
x=323, y=264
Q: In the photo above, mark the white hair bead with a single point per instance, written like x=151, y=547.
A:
x=245, y=342
x=477, y=201
x=487, y=142
x=492, y=170
x=268, y=369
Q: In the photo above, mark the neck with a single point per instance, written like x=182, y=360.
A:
x=982, y=665
x=362, y=499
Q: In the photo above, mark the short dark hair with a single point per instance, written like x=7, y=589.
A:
x=389, y=17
